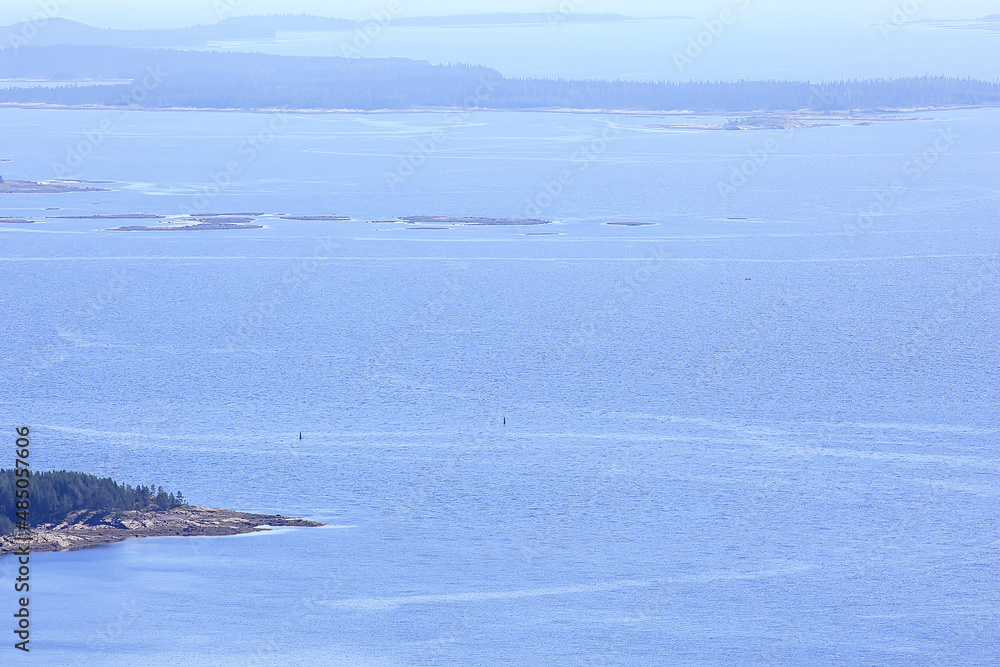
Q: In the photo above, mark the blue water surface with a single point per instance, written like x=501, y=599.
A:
x=760, y=430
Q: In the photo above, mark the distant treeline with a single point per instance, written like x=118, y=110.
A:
x=55, y=495
x=163, y=79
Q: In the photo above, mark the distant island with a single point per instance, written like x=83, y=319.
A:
x=171, y=79
x=314, y=218
x=990, y=23
x=241, y=221
x=442, y=219
x=72, y=510
x=31, y=187
x=214, y=224
x=114, y=216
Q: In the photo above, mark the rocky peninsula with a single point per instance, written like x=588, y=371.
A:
x=62, y=510
x=84, y=528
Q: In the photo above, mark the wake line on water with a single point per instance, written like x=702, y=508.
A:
x=795, y=428
x=761, y=442
x=241, y=437
x=389, y=603
x=695, y=260
x=914, y=459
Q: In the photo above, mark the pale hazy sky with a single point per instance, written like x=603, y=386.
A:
x=163, y=13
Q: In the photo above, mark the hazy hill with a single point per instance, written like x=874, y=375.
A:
x=63, y=31
x=59, y=31
x=512, y=19
x=253, y=26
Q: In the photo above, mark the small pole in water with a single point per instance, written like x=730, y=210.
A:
x=504, y=421
x=300, y=435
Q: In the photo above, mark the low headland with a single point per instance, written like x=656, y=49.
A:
x=54, y=187
x=71, y=510
x=84, y=529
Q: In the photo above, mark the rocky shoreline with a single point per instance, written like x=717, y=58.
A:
x=90, y=529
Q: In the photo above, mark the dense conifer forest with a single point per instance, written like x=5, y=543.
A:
x=165, y=78
x=55, y=495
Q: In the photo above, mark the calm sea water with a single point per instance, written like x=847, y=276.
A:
x=739, y=435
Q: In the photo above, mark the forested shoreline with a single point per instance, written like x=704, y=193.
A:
x=163, y=79
x=55, y=495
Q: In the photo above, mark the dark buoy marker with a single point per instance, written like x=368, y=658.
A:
x=504, y=421
x=300, y=435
